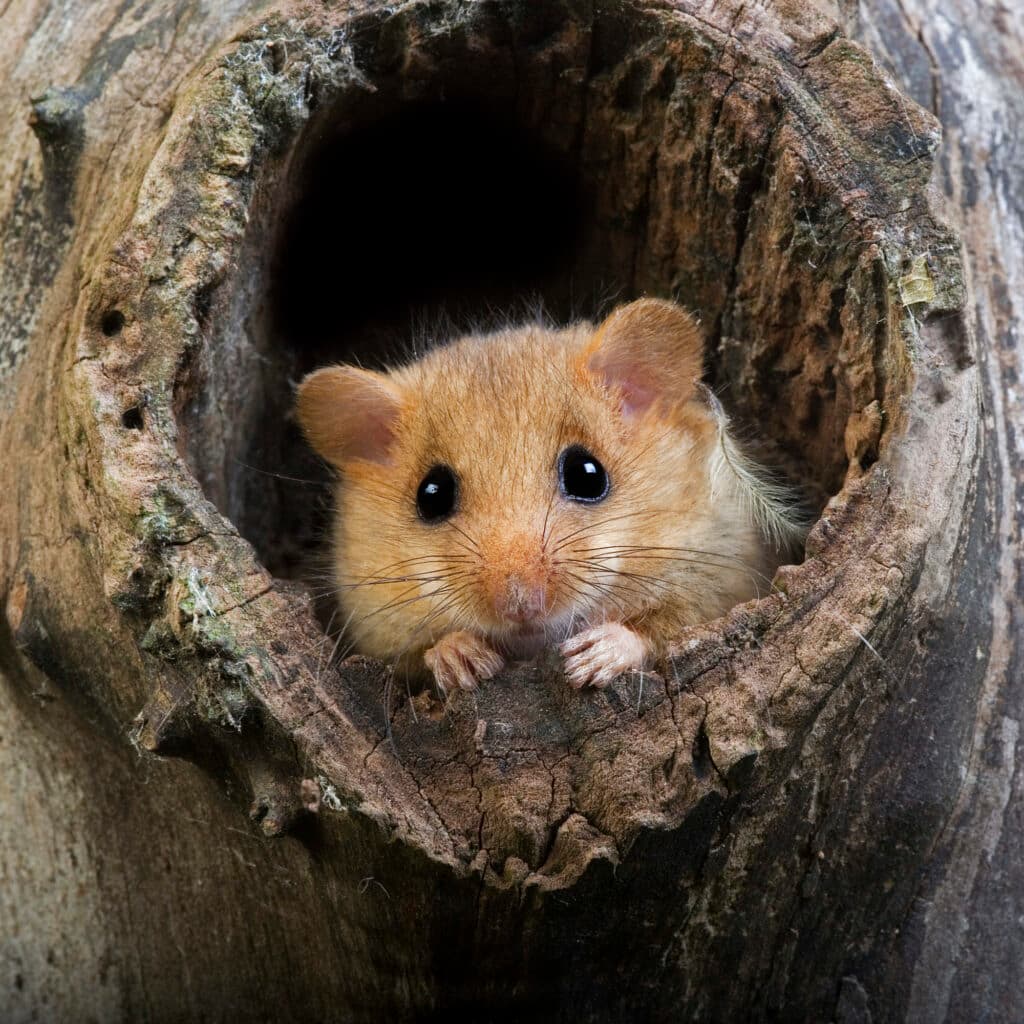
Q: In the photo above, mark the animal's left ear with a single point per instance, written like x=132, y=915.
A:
x=649, y=351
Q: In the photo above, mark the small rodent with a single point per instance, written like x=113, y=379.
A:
x=533, y=485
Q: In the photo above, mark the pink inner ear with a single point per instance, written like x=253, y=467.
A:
x=369, y=410
x=371, y=439
x=638, y=391
x=348, y=413
x=636, y=398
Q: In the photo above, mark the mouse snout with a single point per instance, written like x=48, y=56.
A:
x=518, y=580
x=521, y=600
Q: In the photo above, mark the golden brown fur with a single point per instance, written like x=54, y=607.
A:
x=672, y=544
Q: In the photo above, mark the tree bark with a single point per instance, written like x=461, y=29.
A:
x=960, y=951
x=810, y=812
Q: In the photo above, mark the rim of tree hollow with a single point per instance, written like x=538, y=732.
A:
x=775, y=181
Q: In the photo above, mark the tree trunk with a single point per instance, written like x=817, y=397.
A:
x=807, y=813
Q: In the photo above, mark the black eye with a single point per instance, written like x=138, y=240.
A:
x=582, y=477
x=435, y=496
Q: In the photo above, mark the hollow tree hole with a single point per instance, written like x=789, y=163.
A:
x=577, y=173
x=413, y=227
x=421, y=223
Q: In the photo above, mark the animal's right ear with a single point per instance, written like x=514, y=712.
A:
x=347, y=413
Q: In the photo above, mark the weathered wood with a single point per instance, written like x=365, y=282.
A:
x=748, y=833
x=960, y=949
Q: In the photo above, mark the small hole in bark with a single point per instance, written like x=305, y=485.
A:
x=132, y=419
x=702, y=763
x=112, y=323
x=202, y=305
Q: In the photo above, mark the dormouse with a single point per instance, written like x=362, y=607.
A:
x=533, y=486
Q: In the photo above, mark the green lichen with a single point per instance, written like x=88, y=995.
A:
x=228, y=698
x=160, y=640
x=271, y=81
x=213, y=636
x=156, y=526
x=166, y=519
x=197, y=602
x=223, y=695
x=226, y=706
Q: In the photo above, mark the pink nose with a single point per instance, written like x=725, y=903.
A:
x=521, y=602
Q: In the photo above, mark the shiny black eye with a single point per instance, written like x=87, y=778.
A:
x=581, y=476
x=435, y=496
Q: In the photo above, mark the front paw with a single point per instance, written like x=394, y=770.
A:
x=461, y=659
x=596, y=656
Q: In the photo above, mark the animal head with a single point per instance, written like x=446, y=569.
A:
x=523, y=483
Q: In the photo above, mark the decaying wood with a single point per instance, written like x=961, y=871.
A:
x=788, y=818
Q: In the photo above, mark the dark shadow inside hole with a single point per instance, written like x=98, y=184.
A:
x=112, y=323
x=448, y=212
x=418, y=226
x=132, y=419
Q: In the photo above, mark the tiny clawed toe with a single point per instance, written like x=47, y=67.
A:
x=598, y=655
x=461, y=659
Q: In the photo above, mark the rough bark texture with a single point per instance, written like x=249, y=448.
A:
x=811, y=812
